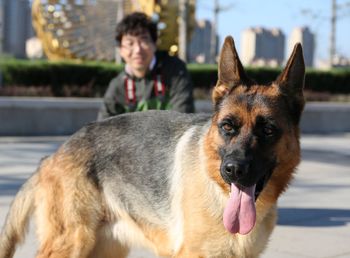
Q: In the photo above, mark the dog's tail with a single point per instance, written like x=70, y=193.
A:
x=16, y=224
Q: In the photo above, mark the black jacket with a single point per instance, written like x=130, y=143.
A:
x=177, y=93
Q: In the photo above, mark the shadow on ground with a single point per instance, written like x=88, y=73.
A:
x=310, y=217
x=11, y=184
x=326, y=156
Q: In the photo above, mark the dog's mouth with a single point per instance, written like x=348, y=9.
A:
x=240, y=212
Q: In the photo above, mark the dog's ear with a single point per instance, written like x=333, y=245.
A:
x=230, y=71
x=291, y=81
x=293, y=75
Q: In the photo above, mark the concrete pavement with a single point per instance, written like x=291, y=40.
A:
x=314, y=214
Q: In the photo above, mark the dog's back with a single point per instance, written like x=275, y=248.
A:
x=133, y=166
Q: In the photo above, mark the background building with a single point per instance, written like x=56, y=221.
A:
x=199, y=47
x=260, y=46
x=16, y=27
x=306, y=38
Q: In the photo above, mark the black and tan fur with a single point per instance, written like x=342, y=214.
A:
x=160, y=179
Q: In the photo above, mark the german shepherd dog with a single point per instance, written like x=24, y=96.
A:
x=182, y=185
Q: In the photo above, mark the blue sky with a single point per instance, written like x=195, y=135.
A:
x=284, y=14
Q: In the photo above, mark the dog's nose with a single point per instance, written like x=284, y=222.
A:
x=236, y=170
x=229, y=168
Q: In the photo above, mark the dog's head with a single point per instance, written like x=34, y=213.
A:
x=255, y=131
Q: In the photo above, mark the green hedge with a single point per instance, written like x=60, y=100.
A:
x=96, y=75
x=57, y=74
x=333, y=81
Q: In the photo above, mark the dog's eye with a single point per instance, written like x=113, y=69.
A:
x=228, y=128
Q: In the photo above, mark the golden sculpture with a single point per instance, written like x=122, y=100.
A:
x=85, y=29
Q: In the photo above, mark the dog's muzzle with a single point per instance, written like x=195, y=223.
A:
x=234, y=171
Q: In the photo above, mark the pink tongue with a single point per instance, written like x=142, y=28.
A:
x=240, y=214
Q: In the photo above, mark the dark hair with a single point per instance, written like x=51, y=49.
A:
x=135, y=24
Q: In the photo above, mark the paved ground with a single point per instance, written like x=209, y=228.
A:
x=314, y=214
